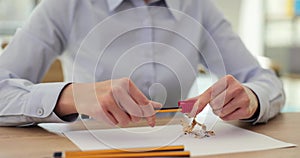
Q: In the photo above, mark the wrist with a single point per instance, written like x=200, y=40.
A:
x=65, y=104
x=254, y=103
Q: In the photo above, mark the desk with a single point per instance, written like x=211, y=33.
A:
x=36, y=142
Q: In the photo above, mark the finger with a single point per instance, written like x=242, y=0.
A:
x=224, y=97
x=239, y=100
x=132, y=90
x=135, y=119
x=149, y=113
x=230, y=107
x=112, y=119
x=131, y=108
x=107, y=117
x=210, y=94
x=151, y=120
x=217, y=112
x=221, y=85
x=137, y=95
x=141, y=99
x=201, y=102
x=236, y=109
x=245, y=112
x=137, y=111
x=219, y=101
x=116, y=110
x=235, y=115
x=126, y=102
x=121, y=116
x=156, y=105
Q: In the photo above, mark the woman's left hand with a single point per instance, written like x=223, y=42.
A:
x=228, y=98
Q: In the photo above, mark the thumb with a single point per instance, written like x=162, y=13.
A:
x=156, y=105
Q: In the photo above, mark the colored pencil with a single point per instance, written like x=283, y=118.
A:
x=177, y=150
x=169, y=110
x=183, y=106
x=137, y=154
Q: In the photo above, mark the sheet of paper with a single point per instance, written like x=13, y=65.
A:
x=228, y=139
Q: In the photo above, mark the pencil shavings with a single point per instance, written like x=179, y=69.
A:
x=196, y=129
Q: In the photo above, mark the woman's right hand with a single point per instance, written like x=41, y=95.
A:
x=116, y=102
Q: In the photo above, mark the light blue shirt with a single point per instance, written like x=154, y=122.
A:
x=159, y=48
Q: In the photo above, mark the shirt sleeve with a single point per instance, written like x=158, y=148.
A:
x=23, y=100
x=239, y=62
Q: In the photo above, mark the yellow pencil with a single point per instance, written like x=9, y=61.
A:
x=138, y=154
x=71, y=154
x=169, y=110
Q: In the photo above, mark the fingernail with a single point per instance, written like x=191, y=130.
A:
x=160, y=105
x=152, y=123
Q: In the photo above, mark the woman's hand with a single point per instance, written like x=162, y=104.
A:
x=116, y=102
x=228, y=98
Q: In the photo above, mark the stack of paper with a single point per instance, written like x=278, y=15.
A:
x=228, y=139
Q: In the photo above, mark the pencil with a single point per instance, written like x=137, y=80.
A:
x=138, y=154
x=169, y=110
x=184, y=106
x=119, y=151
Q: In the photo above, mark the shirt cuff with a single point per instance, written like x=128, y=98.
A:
x=42, y=101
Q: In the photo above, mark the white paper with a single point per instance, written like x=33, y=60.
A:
x=228, y=139
x=208, y=118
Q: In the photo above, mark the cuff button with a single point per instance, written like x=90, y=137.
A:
x=40, y=111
